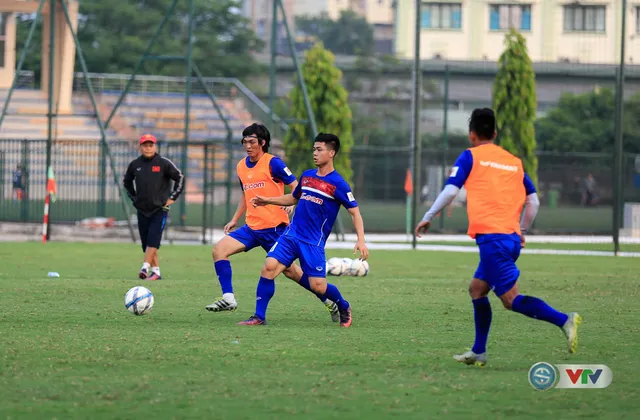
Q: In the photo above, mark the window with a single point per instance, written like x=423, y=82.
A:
x=584, y=18
x=4, y=17
x=261, y=28
x=505, y=16
x=441, y=16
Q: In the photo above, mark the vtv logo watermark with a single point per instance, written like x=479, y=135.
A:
x=584, y=376
x=543, y=376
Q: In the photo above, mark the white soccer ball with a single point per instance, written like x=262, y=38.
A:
x=138, y=300
x=359, y=268
x=336, y=266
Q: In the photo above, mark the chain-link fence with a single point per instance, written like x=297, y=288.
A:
x=576, y=189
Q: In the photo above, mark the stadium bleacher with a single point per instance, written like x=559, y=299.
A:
x=76, y=149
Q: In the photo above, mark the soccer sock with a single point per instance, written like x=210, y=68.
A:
x=155, y=270
x=264, y=293
x=482, y=317
x=146, y=266
x=334, y=294
x=223, y=270
x=304, y=282
x=537, y=308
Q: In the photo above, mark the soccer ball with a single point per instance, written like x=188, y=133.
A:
x=346, y=262
x=336, y=266
x=359, y=268
x=138, y=300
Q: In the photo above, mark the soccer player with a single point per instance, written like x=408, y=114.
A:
x=497, y=188
x=264, y=174
x=152, y=196
x=319, y=195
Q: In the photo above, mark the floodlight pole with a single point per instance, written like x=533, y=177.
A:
x=618, y=195
x=415, y=135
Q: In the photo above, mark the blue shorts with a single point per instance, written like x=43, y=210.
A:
x=498, y=262
x=253, y=238
x=312, y=258
x=151, y=229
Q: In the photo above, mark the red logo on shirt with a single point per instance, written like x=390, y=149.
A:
x=320, y=185
x=155, y=169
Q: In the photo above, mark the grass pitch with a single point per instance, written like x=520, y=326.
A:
x=69, y=349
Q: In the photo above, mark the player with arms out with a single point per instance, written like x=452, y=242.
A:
x=319, y=195
x=264, y=174
x=497, y=188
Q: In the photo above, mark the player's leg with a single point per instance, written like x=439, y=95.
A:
x=281, y=256
x=143, y=230
x=155, y=264
x=295, y=273
x=237, y=241
x=505, y=254
x=154, y=238
x=313, y=261
x=268, y=238
x=537, y=308
x=482, y=315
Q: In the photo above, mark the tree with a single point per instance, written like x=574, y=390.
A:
x=114, y=34
x=351, y=34
x=330, y=105
x=514, y=101
x=586, y=123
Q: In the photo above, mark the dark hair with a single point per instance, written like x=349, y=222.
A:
x=330, y=140
x=483, y=123
x=261, y=132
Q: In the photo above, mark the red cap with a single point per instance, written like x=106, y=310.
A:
x=148, y=137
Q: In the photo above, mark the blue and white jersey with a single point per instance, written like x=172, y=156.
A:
x=320, y=198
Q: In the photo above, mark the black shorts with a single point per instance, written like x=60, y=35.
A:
x=151, y=228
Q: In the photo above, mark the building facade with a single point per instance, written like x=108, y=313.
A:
x=584, y=31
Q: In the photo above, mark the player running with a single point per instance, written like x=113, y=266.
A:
x=497, y=188
x=265, y=174
x=319, y=196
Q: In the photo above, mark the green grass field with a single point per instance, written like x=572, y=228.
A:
x=69, y=349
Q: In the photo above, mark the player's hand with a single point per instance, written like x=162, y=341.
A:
x=229, y=227
x=422, y=227
x=362, y=247
x=259, y=201
x=289, y=209
x=167, y=205
x=522, y=240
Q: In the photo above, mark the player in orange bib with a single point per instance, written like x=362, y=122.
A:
x=497, y=189
x=260, y=173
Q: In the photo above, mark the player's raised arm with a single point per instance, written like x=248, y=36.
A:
x=282, y=173
x=456, y=180
x=283, y=200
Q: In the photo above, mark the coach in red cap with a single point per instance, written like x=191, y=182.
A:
x=152, y=195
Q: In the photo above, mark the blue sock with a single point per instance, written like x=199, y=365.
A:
x=538, y=309
x=266, y=290
x=334, y=294
x=304, y=282
x=223, y=270
x=482, y=317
